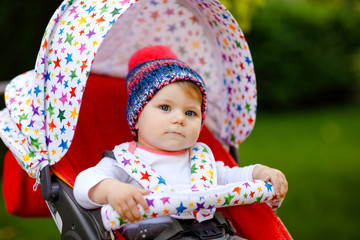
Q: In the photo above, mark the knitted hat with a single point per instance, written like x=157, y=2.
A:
x=150, y=69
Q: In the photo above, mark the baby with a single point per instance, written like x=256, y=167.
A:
x=166, y=110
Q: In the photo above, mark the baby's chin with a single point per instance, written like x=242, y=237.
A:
x=173, y=146
x=169, y=143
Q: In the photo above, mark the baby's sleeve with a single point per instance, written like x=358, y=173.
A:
x=88, y=178
x=227, y=174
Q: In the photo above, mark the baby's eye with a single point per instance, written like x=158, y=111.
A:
x=190, y=113
x=165, y=107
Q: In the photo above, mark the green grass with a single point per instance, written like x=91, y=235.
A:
x=319, y=152
x=12, y=227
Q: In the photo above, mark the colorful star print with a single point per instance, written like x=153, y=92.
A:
x=188, y=201
x=199, y=201
x=180, y=208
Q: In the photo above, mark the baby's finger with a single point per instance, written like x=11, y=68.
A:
x=144, y=191
x=277, y=185
x=141, y=200
x=126, y=212
x=267, y=179
x=284, y=187
x=133, y=210
x=121, y=214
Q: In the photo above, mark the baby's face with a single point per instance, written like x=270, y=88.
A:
x=170, y=121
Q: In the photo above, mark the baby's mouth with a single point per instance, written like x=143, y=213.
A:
x=175, y=133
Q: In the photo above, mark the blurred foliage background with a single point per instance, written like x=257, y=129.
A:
x=306, y=53
x=307, y=62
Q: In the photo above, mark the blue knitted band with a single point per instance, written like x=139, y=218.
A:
x=145, y=79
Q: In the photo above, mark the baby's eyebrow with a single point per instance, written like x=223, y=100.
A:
x=162, y=99
x=167, y=100
x=193, y=105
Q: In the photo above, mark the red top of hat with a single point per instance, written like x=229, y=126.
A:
x=150, y=53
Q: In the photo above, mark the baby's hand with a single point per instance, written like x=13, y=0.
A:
x=123, y=198
x=276, y=177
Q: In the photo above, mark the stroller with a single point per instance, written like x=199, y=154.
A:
x=81, y=67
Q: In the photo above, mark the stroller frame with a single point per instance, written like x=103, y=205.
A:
x=73, y=221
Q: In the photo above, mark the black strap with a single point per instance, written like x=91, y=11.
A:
x=207, y=230
x=211, y=229
x=224, y=223
x=109, y=154
x=171, y=231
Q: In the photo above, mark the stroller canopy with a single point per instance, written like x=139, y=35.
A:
x=43, y=105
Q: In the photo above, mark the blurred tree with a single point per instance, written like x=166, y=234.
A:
x=243, y=11
x=353, y=5
x=305, y=53
x=22, y=25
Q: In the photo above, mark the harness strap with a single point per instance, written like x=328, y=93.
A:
x=225, y=223
x=109, y=154
x=170, y=231
x=211, y=229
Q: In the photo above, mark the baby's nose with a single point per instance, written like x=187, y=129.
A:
x=178, y=117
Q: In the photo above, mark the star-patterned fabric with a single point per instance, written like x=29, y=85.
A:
x=198, y=202
x=172, y=203
x=43, y=105
x=202, y=173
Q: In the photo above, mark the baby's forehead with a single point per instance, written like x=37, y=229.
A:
x=190, y=89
